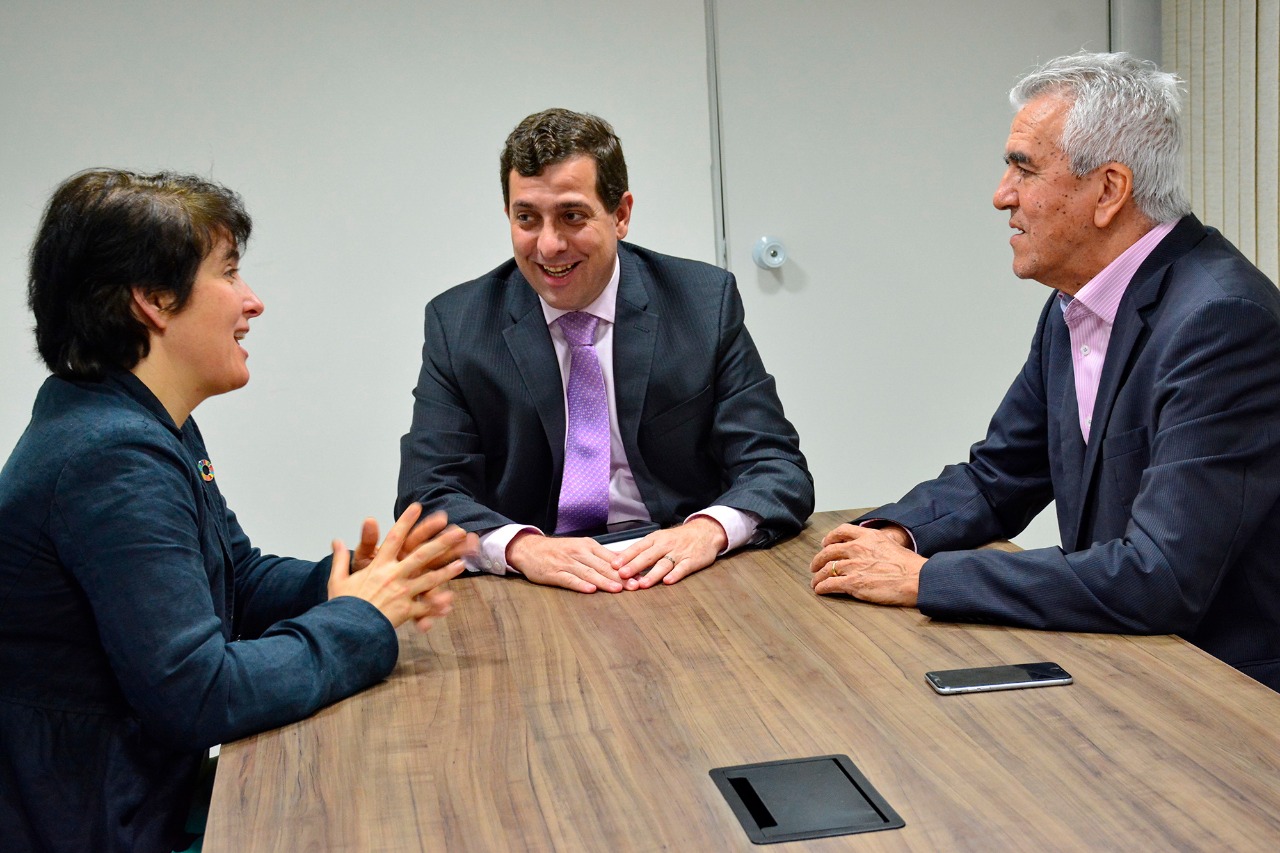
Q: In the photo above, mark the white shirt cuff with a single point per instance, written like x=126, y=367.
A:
x=493, y=549
x=739, y=525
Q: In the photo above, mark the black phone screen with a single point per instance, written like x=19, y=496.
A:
x=1008, y=677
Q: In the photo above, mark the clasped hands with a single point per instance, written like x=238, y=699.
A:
x=584, y=565
x=402, y=576
x=871, y=564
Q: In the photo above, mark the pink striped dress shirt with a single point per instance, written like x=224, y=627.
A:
x=1091, y=313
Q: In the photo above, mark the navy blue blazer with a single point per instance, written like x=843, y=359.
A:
x=700, y=418
x=1170, y=516
x=138, y=626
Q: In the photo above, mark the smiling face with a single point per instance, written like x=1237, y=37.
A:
x=1051, y=209
x=564, y=240
x=203, y=340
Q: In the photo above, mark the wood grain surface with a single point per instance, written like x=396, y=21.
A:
x=545, y=720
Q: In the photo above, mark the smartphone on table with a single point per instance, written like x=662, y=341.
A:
x=983, y=679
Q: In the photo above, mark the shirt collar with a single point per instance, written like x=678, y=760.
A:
x=604, y=306
x=1102, y=294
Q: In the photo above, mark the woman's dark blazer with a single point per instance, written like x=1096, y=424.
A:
x=138, y=626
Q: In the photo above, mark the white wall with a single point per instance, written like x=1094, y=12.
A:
x=364, y=138
x=869, y=137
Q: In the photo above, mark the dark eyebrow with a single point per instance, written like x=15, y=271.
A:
x=564, y=205
x=1017, y=157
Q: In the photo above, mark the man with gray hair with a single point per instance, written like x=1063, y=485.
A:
x=1148, y=408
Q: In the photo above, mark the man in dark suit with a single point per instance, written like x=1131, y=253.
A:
x=1148, y=408
x=590, y=382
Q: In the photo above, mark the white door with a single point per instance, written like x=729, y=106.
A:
x=868, y=137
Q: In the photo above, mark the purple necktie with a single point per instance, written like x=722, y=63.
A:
x=584, y=490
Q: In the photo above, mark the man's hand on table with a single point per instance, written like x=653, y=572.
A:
x=672, y=554
x=584, y=565
x=578, y=563
x=868, y=563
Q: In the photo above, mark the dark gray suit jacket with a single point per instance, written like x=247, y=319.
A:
x=1169, y=517
x=700, y=418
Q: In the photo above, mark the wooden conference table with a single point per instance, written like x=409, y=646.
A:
x=538, y=719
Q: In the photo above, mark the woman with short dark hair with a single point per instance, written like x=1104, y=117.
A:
x=138, y=626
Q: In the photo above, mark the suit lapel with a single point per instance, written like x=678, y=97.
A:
x=530, y=344
x=1128, y=337
x=1072, y=448
x=635, y=333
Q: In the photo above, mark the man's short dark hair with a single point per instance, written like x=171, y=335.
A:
x=553, y=136
x=105, y=232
